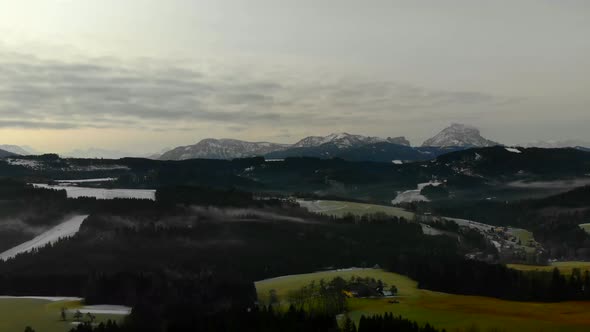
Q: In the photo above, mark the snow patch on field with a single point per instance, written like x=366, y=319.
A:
x=93, y=168
x=414, y=195
x=66, y=229
x=103, y=309
x=87, y=180
x=101, y=193
x=33, y=164
x=513, y=150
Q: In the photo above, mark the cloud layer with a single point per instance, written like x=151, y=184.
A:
x=111, y=93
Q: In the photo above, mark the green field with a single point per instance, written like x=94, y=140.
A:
x=564, y=267
x=585, y=227
x=342, y=208
x=452, y=312
x=41, y=315
x=522, y=234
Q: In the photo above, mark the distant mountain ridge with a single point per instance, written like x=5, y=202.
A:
x=559, y=144
x=98, y=153
x=226, y=148
x=211, y=148
x=346, y=140
x=20, y=150
x=4, y=154
x=459, y=135
x=337, y=145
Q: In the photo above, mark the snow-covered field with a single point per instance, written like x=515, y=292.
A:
x=87, y=180
x=66, y=165
x=513, y=150
x=101, y=193
x=413, y=195
x=66, y=229
x=33, y=164
x=104, y=309
x=471, y=224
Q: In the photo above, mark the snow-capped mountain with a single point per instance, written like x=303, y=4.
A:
x=231, y=148
x=459, y=135
x=211, y=148
x=23, y=151
x=345, y=140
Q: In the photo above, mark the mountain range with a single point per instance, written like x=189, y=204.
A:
x=211, y=148
x=338, y=145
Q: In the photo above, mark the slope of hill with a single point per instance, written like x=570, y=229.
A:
x=387, y=152
x=519, y=162
x=378, y=152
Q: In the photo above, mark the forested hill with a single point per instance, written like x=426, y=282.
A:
x=473, y=173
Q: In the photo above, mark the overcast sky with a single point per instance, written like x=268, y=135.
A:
x=141, y=75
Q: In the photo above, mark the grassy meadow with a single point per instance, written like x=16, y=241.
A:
x=342, y=208
x=564, y=267
x=41, y=315
x=452, y=312
x=586, y=227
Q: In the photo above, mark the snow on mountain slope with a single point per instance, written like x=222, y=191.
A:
x=230, y=148
x=459, y=135
x=346, y=140
x=414, y=195
x=66, y=229
x=211, y=148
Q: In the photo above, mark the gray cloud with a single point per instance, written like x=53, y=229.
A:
x=106, y=93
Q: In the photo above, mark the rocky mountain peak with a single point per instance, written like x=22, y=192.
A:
x=459, y=135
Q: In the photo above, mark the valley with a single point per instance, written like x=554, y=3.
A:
x=468, y=237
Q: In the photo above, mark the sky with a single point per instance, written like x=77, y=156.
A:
x=143, y=75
